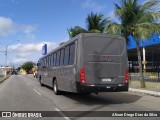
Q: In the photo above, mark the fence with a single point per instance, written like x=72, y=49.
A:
x=150, y=77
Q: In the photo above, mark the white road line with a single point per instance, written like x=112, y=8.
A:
x=37, y=92
x=67, y=118
x=57, y=109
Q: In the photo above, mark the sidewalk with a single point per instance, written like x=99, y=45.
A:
x=4, y=78
x=148, y=92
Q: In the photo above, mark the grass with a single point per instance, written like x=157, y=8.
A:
x=1, y=76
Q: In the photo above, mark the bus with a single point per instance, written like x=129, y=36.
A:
x=87, y=63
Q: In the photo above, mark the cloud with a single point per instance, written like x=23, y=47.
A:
x=90, y=4
x=27, y=48
x=23, y=55
x=29, y=52
x=19, y=60
x=7, y=26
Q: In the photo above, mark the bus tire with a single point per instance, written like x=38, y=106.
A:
x=55, y=87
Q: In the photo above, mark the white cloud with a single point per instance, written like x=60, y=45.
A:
x=19, y=60
x=7, y=26
x=29, y=52
x=29, y=48
x=23, y=55
x=92, y=5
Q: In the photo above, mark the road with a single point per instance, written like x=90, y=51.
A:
x=24, y=93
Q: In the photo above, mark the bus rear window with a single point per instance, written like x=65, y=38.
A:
x=101, y=46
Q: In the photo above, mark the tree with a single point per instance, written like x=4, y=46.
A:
x=138, y=21
x=28, y=65
x=75, y=31
x=95, y=24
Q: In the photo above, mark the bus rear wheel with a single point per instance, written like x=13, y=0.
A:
x=55, y=87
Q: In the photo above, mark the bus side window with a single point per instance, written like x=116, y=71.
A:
x=55, y=57
x=58, y=56
x=47, y=61
x=72, y=54
x=62, y=57
x=66, y=55
x=52, y=60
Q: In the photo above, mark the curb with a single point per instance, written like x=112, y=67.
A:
x=148, y=92
x=4, y=79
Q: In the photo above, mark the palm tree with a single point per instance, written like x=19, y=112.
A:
x=95, y=24
x=138, y=21
x=75, y=31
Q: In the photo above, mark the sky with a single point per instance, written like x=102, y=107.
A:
x=25, y=25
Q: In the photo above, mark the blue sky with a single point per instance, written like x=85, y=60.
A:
x=26, y=24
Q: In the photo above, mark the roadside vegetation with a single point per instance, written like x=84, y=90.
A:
x=27, y=66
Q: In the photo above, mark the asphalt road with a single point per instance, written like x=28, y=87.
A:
x=24, y=93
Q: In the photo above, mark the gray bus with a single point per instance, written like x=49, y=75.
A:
x=87, y=63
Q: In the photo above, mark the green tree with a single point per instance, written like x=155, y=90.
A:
x=75, y=31
x=137, y=20
x=28, y=65
x=95, y=24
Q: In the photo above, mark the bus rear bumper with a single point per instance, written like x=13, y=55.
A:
x=87, y=88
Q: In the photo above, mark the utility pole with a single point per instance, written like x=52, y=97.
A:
x=6, y=52
x=5, y=64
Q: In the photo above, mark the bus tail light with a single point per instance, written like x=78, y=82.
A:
x=82, y=76
x=126, y=76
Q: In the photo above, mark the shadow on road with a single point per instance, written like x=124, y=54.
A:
x=103, y=98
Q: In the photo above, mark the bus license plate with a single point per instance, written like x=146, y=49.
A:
x=106, y=80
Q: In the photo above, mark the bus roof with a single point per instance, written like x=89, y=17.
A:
x=80, y=36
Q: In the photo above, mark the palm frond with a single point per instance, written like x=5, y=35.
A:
x=114, y=29
x=148, y=17
x=150, y=6
x=96, y=22
x=75, y=31
x=151, y=27
x=94, y=31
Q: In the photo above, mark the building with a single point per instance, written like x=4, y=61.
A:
x=5, y=70
x=150, y=51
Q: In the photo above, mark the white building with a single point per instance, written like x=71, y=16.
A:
x=5, y=71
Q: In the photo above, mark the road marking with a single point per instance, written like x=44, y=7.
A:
x=57, y=109
x=28, y=84
x=37, y=92
x=67, y=118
